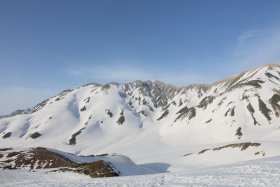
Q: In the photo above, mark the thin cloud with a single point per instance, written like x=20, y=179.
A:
x=245, y=36
x=254, y=48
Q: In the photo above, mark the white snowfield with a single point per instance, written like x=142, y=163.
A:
x=262, y=172
x=162, y=128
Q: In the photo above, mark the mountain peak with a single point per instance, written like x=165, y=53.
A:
x=152, y=116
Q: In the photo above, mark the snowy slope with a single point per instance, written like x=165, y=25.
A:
x=155, y=123
x=33, y=159
x=263, y=172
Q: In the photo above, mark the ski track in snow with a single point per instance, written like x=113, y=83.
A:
x=263, y=172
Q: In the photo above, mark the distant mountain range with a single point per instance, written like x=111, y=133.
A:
x=161, y=124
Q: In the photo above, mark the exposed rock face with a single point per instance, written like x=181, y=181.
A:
x=7, y=135
x=94, y=169
x=36, y=158
x=42, y=158
x=241, y=146
x=94, y=115
x=35, y=135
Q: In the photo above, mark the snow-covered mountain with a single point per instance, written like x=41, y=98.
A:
x=157, y=123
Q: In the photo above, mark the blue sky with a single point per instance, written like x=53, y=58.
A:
x=47, y=46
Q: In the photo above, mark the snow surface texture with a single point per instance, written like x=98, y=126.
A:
x=160, y=126
x=263, y=172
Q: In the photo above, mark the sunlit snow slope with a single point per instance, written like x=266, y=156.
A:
x=153, y=122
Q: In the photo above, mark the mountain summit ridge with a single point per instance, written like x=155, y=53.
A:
x=158, y=82
x=153, y=116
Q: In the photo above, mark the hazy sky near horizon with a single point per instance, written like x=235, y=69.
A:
x=48, y=46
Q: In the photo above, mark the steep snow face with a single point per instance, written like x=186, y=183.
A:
x=151, y=121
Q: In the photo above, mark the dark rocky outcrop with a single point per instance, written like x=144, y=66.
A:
x=164, y=114
x=72, y=140
x=87, y=100
x=42, y=158
x=35, y=135
x=252, y=111
x=121, y=119
x=230, y=112
x=110, y=114
x=36, y=158
x=208, y=121
x=7, y=135
x=83, y=108
x=242, y=146
x=274, y=103
x=206, y=101
x=238, y=133
x=186, y=112
x=264, y=110
x=94, y=169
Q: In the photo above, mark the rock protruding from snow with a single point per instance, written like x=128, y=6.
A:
x=147, y=119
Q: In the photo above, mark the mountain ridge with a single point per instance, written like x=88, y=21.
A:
x=194, y=85
x=155, y=117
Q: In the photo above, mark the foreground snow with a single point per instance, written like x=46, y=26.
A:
x=262, y=172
